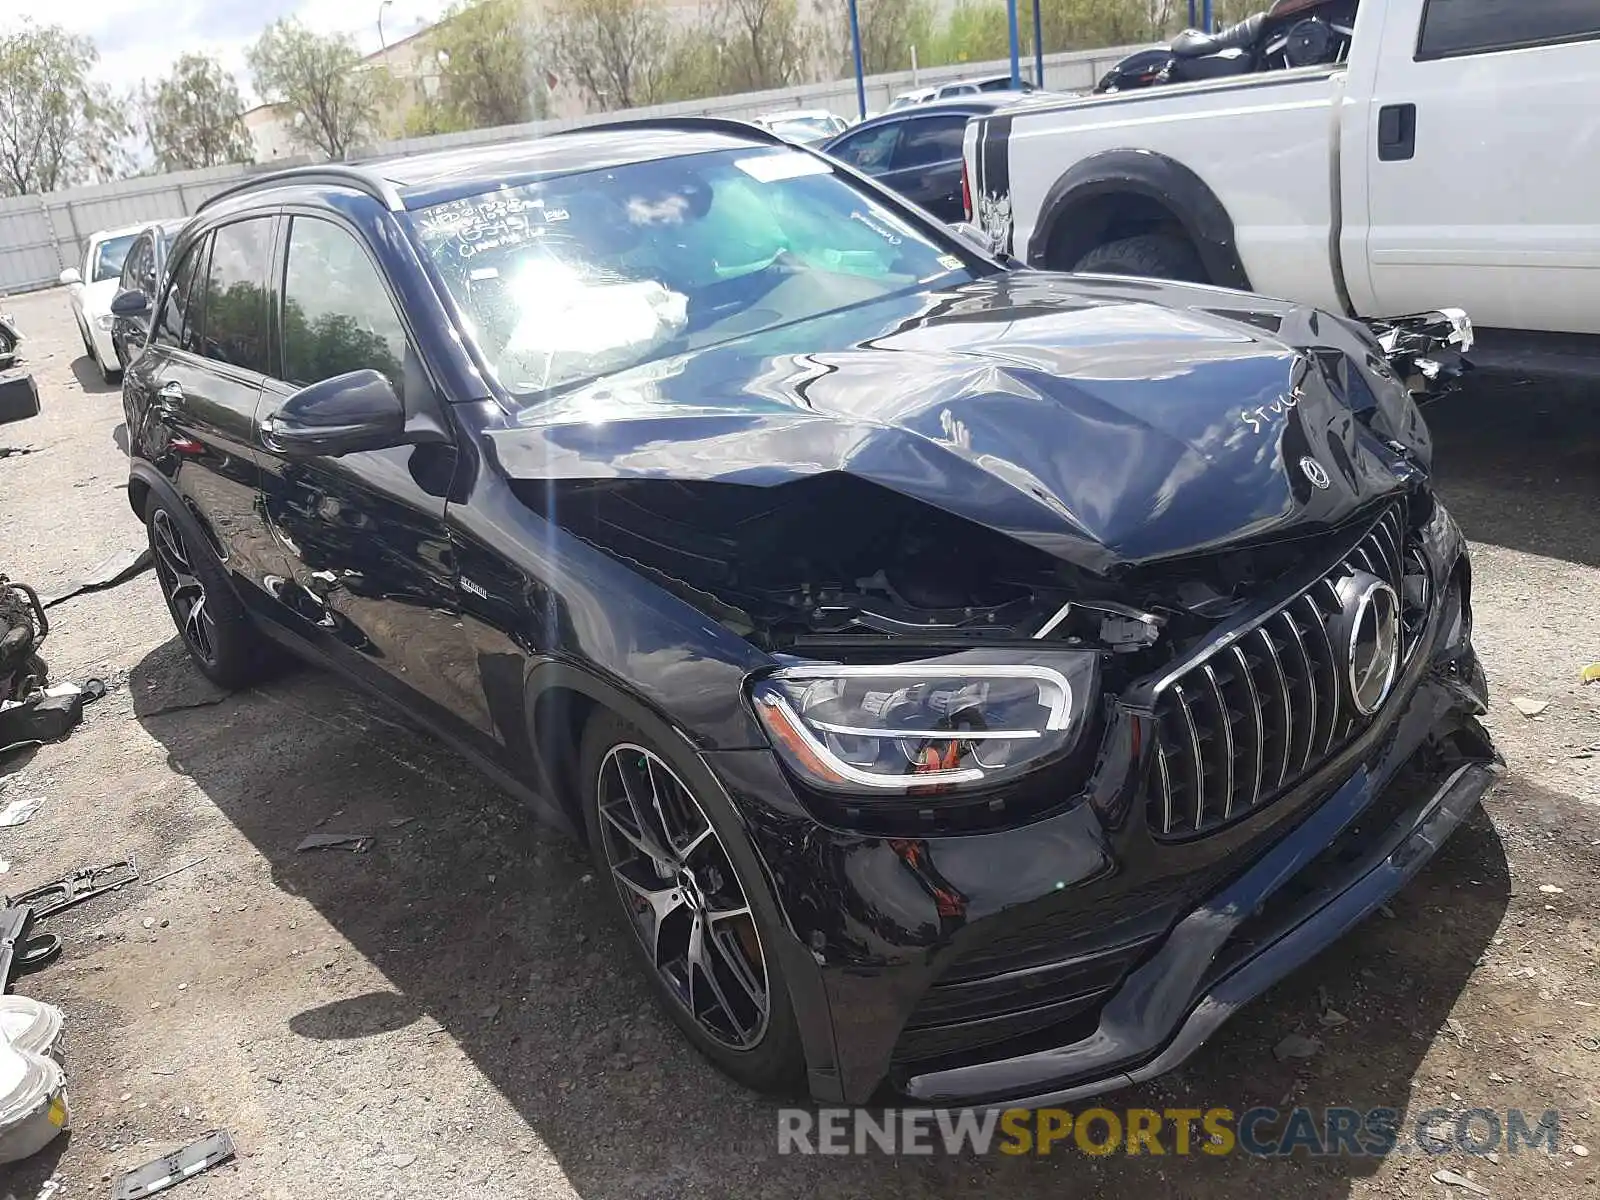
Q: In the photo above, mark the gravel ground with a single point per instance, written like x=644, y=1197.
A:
x=452, y=1014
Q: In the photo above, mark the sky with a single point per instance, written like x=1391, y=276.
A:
x=138, y=39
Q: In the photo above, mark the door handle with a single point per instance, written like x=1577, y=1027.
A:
x=1397, y=132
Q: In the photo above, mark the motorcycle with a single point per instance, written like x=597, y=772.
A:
x=1292, y=33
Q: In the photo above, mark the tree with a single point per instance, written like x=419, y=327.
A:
x=764, y=43
x=57, y=127
x=333, y=99
x=974, y=32
x=192, y=117
x=889, y=28
x=614, y=51
x=488, y=66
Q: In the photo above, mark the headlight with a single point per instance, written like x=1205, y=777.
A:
x=949, y=722
x=105, y=321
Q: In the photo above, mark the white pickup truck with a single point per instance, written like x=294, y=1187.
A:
x=1452, y=158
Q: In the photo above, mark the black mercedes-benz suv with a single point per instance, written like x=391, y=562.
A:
x=976, y=682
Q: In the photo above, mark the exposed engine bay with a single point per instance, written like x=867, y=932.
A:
x=836, y=566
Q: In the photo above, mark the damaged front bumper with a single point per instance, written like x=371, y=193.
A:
x=1082, y=952
x=1427, y=351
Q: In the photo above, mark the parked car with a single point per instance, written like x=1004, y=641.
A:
x=804, y=127
x=1404, y=177
x=142, y=272
x=951, y=692
x=92, y=289
x=917, y=151
x=959, y=87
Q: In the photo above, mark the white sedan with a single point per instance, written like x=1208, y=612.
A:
x=93, y=289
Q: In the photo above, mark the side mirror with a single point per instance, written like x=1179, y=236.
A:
x=343, y=415
x=130, y=302
x=973, y=236
x=70, y=276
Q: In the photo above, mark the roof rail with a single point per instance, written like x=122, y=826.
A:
x=723, y=124
x=328, y=173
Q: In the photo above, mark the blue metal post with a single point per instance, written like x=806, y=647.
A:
x=1193, y=16
x=861, y=77
x=1016, y=44
x=1038, y=47
x=1206, y=16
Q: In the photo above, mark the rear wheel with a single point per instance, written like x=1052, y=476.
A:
x=693, y=920
x=218, y=633
x=1150, y=255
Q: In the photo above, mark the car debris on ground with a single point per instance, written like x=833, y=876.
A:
x=33, y=1096
x=20, y=811
x=172, y=1169
x=358, y=843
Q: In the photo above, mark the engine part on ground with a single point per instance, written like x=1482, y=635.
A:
x=23, y=626
x=210, y=1151
x=83, y=884
x=33, y=1103
x=10, y=339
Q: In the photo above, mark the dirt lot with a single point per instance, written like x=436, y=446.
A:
x=452, y=1014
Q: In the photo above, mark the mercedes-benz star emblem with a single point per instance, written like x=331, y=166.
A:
x=1373, y=650
x=1316, y=473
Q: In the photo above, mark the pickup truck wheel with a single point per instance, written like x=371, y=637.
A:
x=1152, y=255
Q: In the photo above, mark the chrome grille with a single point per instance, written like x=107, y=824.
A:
x=1255, y=717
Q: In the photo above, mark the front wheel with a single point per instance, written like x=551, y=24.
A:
x=695, y=923
x=215, y=628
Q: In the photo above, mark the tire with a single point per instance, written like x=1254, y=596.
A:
x=1150, y=255
x=215, y=628
x=770, y=1058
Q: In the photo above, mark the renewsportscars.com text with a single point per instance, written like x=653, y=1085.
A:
x=1259, y=1132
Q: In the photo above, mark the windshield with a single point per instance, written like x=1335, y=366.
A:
x=905, y=100
x=579, y=275
x=108, y=257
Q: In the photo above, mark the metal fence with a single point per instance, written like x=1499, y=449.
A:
x=40, y=235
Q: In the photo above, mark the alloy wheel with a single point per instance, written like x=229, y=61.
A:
x=182, y=586
x=678, y=884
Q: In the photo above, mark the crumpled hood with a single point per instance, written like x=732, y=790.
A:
x=1103, y=421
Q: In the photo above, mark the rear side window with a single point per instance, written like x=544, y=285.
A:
x=870, y=150
x=173, y=327
x=930, y=140
x=1455, y=27
x=337, y=316
x=235, y=306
